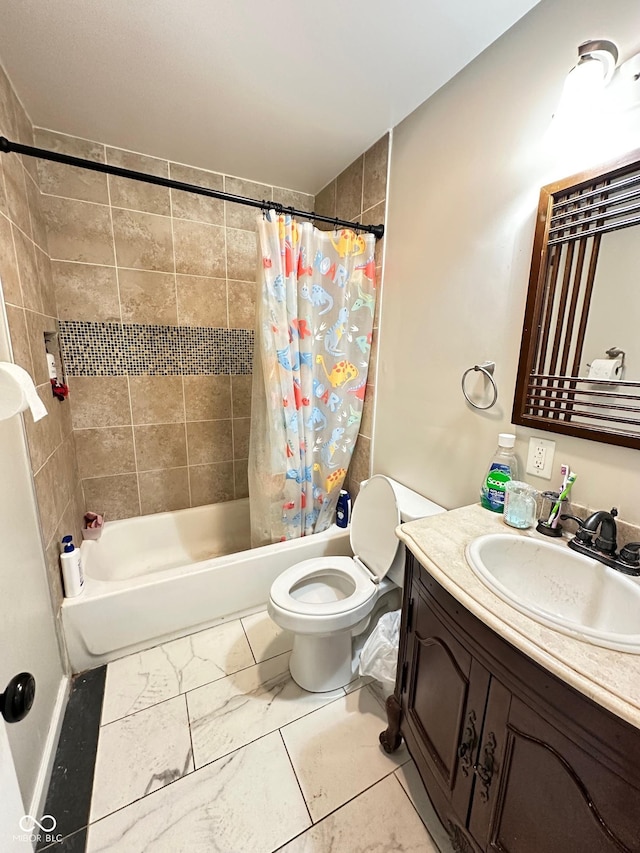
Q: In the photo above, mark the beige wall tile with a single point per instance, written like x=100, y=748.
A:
x=197, y=207
x=114, y=497
x=137, y=195
x=69, y=181
x=148, y=297
x=241, y=478
x=238, y=215
x=366, y=424
x=209, y=441
x=375, y=173
x=102, y=452
x=241, y=255
x=44, y=435
x=160, y=446
x=241, y=389
x=9, y=278
x=211, y=484
x=78, y=231
x=19, y=338
x=325, y=202
x=16, y=192
x=3, y=196
x=46, y=487
x=202, y=301
x=164, y=491
x=241, y=428
x=207, y=398
x=143, y=241
x=242, y=304
x=45, y=279
x=156, y=399
x=349, y=191
x=38, y=227
x=375, y=216
x=37, y=325
x=86, y=292
x=199, y=248
x=291, y=198
x=360, y=466
x=26, y=255
x=54, y=574
x=99, y=401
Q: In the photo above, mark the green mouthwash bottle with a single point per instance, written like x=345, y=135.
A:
x=503, y=467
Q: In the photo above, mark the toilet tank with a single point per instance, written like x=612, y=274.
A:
x=412, y=506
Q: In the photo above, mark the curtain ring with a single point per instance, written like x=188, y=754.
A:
x=487, y=367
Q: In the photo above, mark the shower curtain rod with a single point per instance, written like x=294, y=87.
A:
x=17, y=148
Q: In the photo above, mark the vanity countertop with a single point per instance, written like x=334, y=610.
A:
x=610, y=678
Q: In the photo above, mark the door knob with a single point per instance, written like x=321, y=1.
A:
x=17, y=699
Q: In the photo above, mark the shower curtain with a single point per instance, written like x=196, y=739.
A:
x=315, y=307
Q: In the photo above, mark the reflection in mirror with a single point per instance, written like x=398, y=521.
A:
x=579, y=370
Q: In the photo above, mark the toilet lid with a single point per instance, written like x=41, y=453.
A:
x=374, y=521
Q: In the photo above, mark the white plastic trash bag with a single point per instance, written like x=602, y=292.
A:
x=379, y=656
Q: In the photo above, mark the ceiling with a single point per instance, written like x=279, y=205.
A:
x=283, y=92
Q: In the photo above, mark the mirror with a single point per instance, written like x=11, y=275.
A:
x=579, y=368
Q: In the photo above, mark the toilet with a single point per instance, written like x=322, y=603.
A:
x=327, y=601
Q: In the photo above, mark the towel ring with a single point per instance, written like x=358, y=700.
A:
x=487, y=367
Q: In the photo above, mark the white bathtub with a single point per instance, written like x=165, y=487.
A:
x=158, y=577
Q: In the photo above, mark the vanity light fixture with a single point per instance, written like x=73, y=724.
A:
x=597, y=60
x=586, y=81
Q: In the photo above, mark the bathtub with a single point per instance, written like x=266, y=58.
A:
x=158, y=577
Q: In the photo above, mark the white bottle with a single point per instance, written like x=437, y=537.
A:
x=72, y=576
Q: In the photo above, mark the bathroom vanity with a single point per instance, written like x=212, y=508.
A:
x=527, y=740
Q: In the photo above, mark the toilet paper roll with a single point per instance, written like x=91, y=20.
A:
x=605, y=368
x=18, y=393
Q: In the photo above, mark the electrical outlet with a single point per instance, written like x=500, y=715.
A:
x=540, y=457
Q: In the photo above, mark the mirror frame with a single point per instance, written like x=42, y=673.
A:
x=609, y=431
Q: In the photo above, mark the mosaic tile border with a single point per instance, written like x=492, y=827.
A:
x=134, y=349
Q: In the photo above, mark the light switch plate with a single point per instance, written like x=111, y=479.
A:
x=540, y=457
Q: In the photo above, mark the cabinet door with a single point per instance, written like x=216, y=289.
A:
x=444, y=703
x=548, y=793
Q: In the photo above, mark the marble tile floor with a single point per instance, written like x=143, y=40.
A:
x=207, y=744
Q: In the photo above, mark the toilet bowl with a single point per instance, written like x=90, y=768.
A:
x=326, y=601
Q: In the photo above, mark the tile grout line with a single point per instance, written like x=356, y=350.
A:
x=117, y=274
x=180, y=344
x=340, y=807
x=249, y=643
x=293, y=769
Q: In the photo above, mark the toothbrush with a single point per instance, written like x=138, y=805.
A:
x=555, y=512
x=565, y=470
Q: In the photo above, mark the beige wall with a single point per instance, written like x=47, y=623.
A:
x=466, y=170
x=27, y=288
x=146, y=257
x=359, y=194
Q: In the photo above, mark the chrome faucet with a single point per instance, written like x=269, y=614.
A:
x=604, y=547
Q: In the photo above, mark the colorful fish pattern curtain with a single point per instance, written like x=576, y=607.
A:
x=315, y=306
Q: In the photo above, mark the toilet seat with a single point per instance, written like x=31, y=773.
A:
x=318, y=568
x=327, y=594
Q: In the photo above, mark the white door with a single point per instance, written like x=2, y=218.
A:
x=12, y=835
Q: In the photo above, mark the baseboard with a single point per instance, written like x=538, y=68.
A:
x=49, y=752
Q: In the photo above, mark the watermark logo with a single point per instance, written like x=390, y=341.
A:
x=45, y=826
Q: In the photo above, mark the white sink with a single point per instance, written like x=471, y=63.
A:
x=560, y=588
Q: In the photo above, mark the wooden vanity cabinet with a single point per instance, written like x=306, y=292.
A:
x=513, y=759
